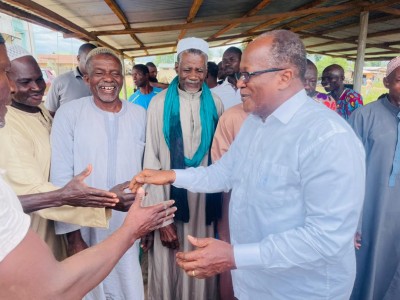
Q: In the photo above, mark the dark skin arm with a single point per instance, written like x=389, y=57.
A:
x=30, y=271
x=74, y=193
x=75, y=241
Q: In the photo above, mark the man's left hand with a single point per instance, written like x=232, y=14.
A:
x=210, y=258
x=125, y=199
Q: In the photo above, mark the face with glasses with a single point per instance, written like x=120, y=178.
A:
x=259, y=82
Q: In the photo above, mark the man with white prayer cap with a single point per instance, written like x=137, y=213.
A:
x=180, y=128
x=377, y=239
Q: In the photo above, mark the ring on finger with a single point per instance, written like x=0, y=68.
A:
x=166, y=213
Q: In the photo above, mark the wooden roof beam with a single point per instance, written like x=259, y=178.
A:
x=192, y=14
x=205, y=24
x=124, y=20
x=26, y=16
x=250, y=13
x=279, y=19
x=327, y=20
x=390, y=11
x=51, y=16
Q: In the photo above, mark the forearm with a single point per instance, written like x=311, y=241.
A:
x=34, y=202
x=82, y=272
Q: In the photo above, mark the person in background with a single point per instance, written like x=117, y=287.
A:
x=227, y=90
x=310, y=85
x=145, y=92
x=70, y=85
x=212, y=73
x=347, y=100
x=221, y=73
x=153, y=76
x=378, y=260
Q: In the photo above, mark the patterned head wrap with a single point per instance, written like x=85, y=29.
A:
x=393, y=65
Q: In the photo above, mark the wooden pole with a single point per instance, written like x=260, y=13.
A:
x=362, y=40
x=124, y=91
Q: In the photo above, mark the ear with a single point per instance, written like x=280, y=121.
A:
x=285, y=78
x=386, y=82
x=86, y=78
x=78, y=58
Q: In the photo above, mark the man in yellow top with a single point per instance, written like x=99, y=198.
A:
x=25, y=156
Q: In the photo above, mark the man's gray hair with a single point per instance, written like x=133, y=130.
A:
x=287, y=50
x=99, y=51
x=196, y=52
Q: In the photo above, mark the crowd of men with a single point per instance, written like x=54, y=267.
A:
x=245, y=150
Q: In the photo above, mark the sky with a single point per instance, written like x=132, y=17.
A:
x=48, y=42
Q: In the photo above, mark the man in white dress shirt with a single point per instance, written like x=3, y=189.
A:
x=293, y=213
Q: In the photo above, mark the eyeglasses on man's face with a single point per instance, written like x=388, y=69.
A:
x=245, y=76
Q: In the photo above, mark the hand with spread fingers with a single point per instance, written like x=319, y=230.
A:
x=210, y=258
x=158, y=177
x=144, y=220
x=125, y=199
x=77, y=193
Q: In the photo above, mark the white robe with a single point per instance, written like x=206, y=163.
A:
x=113, y=143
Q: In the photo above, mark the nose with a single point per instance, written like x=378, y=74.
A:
x=240, y=83
x=12, y=86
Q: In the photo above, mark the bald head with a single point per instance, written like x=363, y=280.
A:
x=272, y=67
x=30, y=85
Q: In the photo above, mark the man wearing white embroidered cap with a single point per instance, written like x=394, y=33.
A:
x=377, y=125
x=180, y=128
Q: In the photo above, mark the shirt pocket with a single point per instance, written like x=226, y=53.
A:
x=272, y=184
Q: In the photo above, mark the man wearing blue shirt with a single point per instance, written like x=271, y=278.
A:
x=293, y=213
x=145, y=92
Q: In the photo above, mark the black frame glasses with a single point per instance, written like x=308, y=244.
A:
x=245, y=76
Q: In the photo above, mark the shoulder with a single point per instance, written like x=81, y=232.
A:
x=60, y=79
x=371, y=108
x=73, y=108
x=157, y=90
x=218, y=103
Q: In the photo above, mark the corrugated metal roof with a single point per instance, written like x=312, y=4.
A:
x=143, y=27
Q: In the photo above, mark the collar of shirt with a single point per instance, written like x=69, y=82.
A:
x=392, y=108
x=77, y=73
x=285, y=112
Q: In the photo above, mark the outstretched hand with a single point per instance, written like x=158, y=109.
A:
x=158, y=177
x=125, y=199
x=77, y=193
x=210, y=258
x=143, y=220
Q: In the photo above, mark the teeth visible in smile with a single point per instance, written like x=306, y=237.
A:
x=108, y=88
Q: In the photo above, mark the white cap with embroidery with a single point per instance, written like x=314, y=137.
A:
x=16, y=51
x=192, y=43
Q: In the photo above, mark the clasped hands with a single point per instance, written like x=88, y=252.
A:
x=210, y=257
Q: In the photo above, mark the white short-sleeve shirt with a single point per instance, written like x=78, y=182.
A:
x=14, y=223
